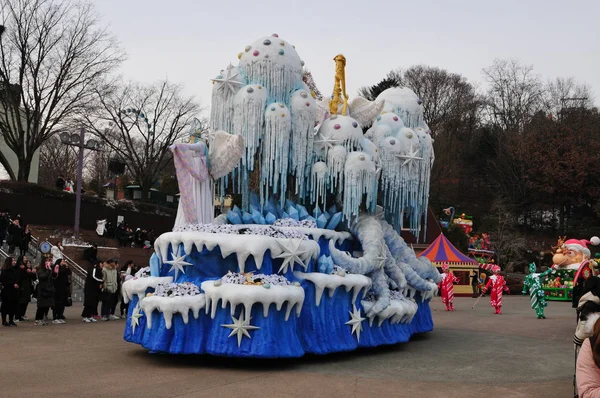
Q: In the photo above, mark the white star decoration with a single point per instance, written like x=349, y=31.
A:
x=135, y=317
x=240, y=328
x=228, y=81
x=177, y=264
x=355, y=322
x=291, y=254
x=327, y=142
x=409, y=158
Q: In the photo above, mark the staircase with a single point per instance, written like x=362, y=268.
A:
x=78, y=274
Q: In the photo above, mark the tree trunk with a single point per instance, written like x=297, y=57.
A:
x=24, y=169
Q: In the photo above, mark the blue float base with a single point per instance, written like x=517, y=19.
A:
x=320, y=329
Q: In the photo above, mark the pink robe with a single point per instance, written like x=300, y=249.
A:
x=497, y=285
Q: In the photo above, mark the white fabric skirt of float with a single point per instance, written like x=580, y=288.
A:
x=203, y=198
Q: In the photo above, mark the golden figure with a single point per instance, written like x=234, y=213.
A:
x=339, y=86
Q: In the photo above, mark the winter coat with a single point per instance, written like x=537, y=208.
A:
x=25, y=239
x=25, y=285
x=45, y=295
x=92, y=287
x=8, y=278
x=56, y=254
x=588, y=312
x=16, y=233
x=587, y=373
x=62, y=285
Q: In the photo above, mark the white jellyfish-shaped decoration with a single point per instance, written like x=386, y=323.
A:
x=360, y=180
x=275, y=149
x=248, y=119
x=404, y=103
x=303, y=109
x=319, y=175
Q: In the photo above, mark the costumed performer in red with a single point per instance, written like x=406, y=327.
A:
x=497, y=284
x=446, y=287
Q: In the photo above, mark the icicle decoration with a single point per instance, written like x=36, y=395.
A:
x=359, y=179
x=274, y=64
x=336, y=159
x=303, y=110
x=404, y=103
x=319, y=176
x=248, y=119
x=424, y=176
x=275, y=152
x=225, y=86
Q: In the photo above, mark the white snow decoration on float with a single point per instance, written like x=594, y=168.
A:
x=139, y=286
x=275, y=64
x=343, y=130
x=360, y=178
x=336, y=159
x=242, y=245
x=319, y=175
x=354, y=282
x=303, y=110
x=249, y=295
x=399, y=311
x=428, y=156
x=169, y=306
x=248, y=119
x=404, y=103
x=225, y=85
x=364, y=111
x=276, y=154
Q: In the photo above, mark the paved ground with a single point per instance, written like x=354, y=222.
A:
x=471, y=353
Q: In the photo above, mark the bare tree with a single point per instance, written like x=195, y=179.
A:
x=508, y=244
x=52, y=55
x=56, y=159
x=139, y=123
x=562, y=93
x=514, y=95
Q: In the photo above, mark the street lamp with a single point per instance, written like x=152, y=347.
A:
x=78, y=140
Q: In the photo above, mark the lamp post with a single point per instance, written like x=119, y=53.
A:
x=78, y=140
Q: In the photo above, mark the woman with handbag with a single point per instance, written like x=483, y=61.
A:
x=45, y=288
x=62, y=291
x=10, y=291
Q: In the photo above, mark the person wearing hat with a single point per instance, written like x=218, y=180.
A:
x=446, y=287
x=496, y=284
x=573, y=254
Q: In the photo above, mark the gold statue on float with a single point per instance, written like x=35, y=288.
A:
x=339, y=86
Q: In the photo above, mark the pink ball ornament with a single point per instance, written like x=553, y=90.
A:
x=395, y=118
x=256, y=53
x=337, y=126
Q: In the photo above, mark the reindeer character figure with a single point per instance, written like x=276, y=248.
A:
x=339, y=87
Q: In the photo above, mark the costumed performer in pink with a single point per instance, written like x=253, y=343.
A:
x=197, y=166
x=446, y=287
x=497, y=284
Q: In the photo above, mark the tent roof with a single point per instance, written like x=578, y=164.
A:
x=442, y=251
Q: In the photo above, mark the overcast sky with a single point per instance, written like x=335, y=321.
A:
x=190, y=41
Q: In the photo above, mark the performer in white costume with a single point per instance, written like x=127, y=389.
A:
x=197, y=167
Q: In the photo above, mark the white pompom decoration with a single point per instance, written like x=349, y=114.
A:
x=595, y=240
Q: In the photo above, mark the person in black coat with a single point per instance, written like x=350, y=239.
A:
x=10, y=291
x=92, y=291
x=45, y=291
x=26, y=278
x=91, y=254
x=15, y=233
x=4, y=222
x=25, y=239
x=62, y=289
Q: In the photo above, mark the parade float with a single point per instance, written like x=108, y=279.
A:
x=442, y=252
x=307, y=262
x=572, y=267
